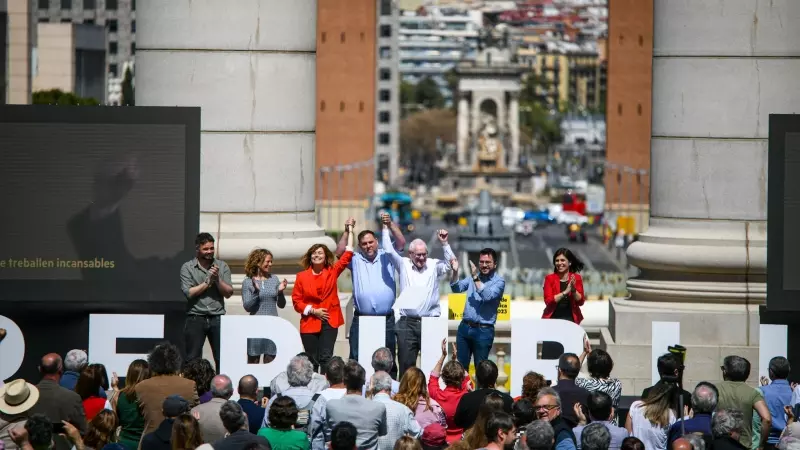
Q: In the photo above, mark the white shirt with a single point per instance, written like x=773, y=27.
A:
x=428, y=276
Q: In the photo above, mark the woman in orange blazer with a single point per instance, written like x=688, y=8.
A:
x=563, y=289
x=316, y=298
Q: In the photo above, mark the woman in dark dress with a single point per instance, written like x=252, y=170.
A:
x=563, y=295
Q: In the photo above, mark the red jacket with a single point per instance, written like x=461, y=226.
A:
x=320, y=291
x=552, y=287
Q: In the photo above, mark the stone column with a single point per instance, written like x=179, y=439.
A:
x=463, y=131
x=502, y=113
x=513, y=125
x=251, y=66
x=717, y=75
x=474, y=128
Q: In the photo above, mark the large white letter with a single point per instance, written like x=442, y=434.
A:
x=233, y=347
x=12, y=348
x=369, y=329
x=434, y=329
x=104, y=329
x=772, y=341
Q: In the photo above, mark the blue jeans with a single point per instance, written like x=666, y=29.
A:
x=475, y=341
x=390, y=339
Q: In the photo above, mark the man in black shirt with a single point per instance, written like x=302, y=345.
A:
x=470, y=403
x=670, y=369
x=569, y=366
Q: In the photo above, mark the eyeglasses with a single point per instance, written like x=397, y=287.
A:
x=420, y=255
x=545, y=407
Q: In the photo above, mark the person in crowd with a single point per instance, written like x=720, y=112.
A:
x=680, y=444
x=74, y=362
x=281, y=433
x=335, y=376
x=650, y=419
x=484, y=288
x=201, y=372
x=704, y=403
x=208, y=413
x=548, y=407
x=734, y=393
x=602, y=411
x=88, y=385
x=17, y=397
x=369, y=417
x=248, y=400
x=531, y=383
x=206, y=283
x=777, y=394
x=160, y=438
x=131, y=421
x=434, y=437
x=299, y=371
x=413, y=393
x=695, y=442
x=595, y=437
x=524, y=413
x=569, y=366
x=316, y=298
x=186, y=433
x=102, y=429
x=399, y=417
x=670, y=371
x=407, y=443
x=538, y=436
x=500, y=431
x=475, y=436
x=467, y=410
x=165, y=364
x=37, y=434
x=344, y=436
x=727, y=428
x=632, y=443
x=262, y=294
x=383, y=361
x=237, y=435
x=600, y=364
x=421, y=272
x=107, y=385
x=280, y=383
x=456, y=382
x=374, y=285
x=56, y=402
x=563, y=292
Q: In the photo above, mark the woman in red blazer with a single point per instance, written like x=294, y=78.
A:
x=563, y=289
x=316, y=298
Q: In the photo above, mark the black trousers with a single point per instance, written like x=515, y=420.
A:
x=409, y=342
x=319, y=346
x=195, y=332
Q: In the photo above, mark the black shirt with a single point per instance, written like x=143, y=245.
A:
x=687, y=397
x=470, y=403
x=571, y=394
x=564, y=307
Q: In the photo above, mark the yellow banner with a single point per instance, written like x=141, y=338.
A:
x=456, y=302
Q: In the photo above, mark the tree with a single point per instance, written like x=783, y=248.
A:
x=61, y=98
x=423, y=133
x=536, y=120
x=428, y=94
x=128, y=98
x=408, y=98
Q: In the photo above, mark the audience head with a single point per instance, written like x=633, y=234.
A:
x=704, y=399
x=600, y=405
x=548, y=404
x=413, y=385
x=492, y=403
x=500, y=429
x=539, y=435
x=599, y=363
x=105, y=382
x=76, y=360
x=18, y=397
x=382, y=360
x=696, y=442
x=779, y=368
x=735, y=368
x=486, y=374
x=381, y=382
x=138, y=371
x=165, y=359
x=343, y=436
x=201, y=372
x=248, y=387
x=221, y=387
x=299, y=371
x=232, y=415
x=174, y=406
x=50, y=366
x=434, y=436
x=186, y=432
x=453, y=374
x=669, y=367
x=101, y=430
x=595, y=436
x=569, y=366
x=631, y=443
x=407, y=443
x=335, y=371
x=40, y=431
x=531, y=383
x=727, y=423
x=354, y=376
x=523, y=412
x=681, y=444
x=89, y=382
x=283, y=413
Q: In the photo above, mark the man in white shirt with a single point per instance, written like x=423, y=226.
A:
x=335, y=375
x=419, y=271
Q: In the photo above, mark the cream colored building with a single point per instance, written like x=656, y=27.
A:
x=72, y=58
x=21, y=39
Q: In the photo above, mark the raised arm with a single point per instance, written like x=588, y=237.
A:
x=443, y=266
x=386, y=245
x=349, y=224
x=347, y=256
x=399, y=239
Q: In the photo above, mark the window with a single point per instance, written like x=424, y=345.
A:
x=44, y=20
x=112, y=26
x=322, y=105
x=360, y=106
x=386, y=31
x=383, y=138
x=386, y=74
x=89, y=21
x=362, y=36
x=621, y=39
x=66, y=4
x=342, y=37
x=44, y=4
x=386, y=7
x=323, y=37
x=384, y=117
x=639, y=109
x=66, y=20
x=619, y=109
x=641, y=41
x=385, y=95
x=386, y=52
x=112, y=70
x=133, y=5
x=89, y=5
x=133, y=49
x=111, y=5
x=341, y=106
x=113, y=48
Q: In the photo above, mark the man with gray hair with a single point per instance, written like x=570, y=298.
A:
x=74, y=362
x=419, y=272
x=727, y=427
x=538, y=436
x=595, y=437
x=695, y=441
x=548, y=407
x=400, y=420
x=280, y=383
x=299, y=373
x=383, y=361
x=208, y=413
x=234, y=420
x=704, y=402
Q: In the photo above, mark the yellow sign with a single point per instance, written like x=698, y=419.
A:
x=456, y=302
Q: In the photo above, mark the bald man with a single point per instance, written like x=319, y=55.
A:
x=210, y=422
x=56, y=402
x=681, y=444
x=248, y=400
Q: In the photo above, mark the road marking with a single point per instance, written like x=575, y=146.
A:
x=585, y=259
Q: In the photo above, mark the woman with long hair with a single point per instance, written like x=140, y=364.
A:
x=131, y=421
x=262, y=294
x=316, y=297
x=413, y=392
x=102, y=430
x=563, y=294
x=650, y=419
x=186, y=434
x=475, y=437
x=201, y=372
x=88, y=387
